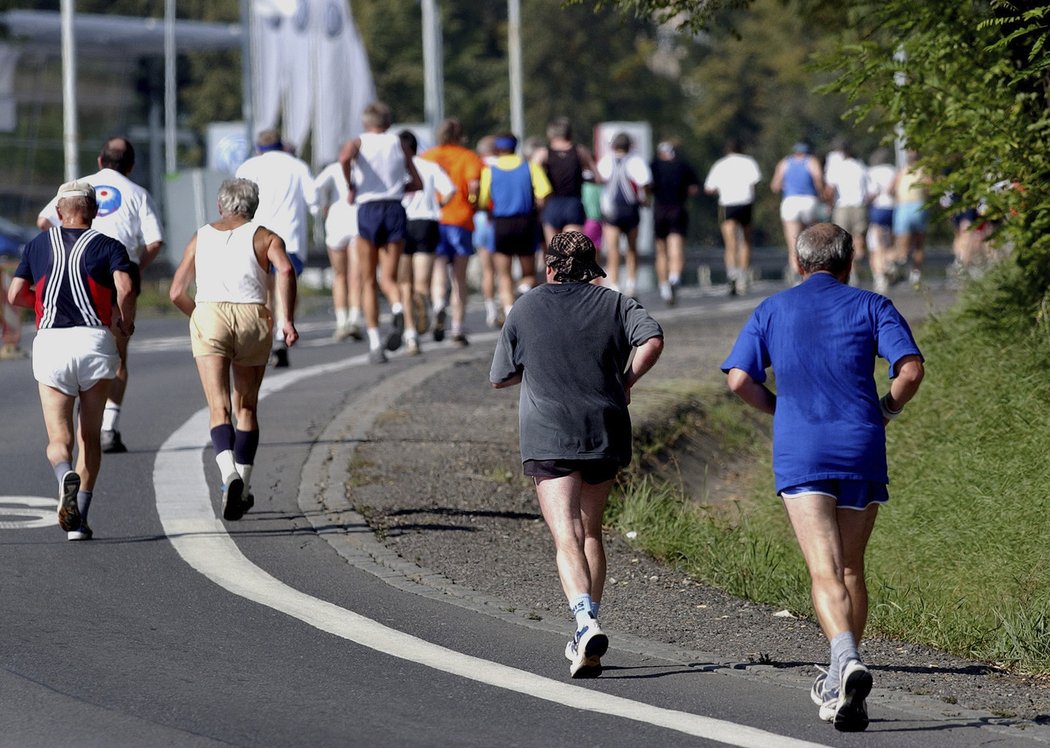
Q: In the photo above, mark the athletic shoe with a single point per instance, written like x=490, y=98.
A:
x=412, y=347
x=851, y=712
x=83, y=533
x=248, y=501
x=674, y=295
x=420, y=313
x=376, y=356
x=354, y=331
x=68, y=513
x=112, y=443
x=279, y=358
x=460, y=340
x=817, y=694
x=584, y=651
x=491, y=315
x=915, y=277
x=397, y=335
x=439, y=325
x=342, y=332
x=233, y=507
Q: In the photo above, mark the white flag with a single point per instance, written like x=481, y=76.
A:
x=343, y=83
x=269, y=17
x=297, y=58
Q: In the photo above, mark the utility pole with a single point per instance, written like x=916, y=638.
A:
x=247, y=102
x=517, y=108
x=433, y=65
x=170, y=90
x=70, y=136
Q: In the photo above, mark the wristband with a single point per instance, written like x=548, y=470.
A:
x=887, y=413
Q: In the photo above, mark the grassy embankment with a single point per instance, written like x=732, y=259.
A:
x=959, y=559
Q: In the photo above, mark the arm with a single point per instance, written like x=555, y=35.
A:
x=42, y=223
x=909, y=374
x=179, y=293
x=125, y=303
x=778, y=177
x=814, y=171
x=587, y=162
x=347, y=155
x=645, y=357
x=755, y=394
x=508, y=382
x=149, y=254
x=273, y=251
x=19, y=293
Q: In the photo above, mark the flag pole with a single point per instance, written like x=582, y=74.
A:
x=247, y=102
x=70, y=136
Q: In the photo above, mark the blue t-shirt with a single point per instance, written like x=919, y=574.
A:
x=821, y=339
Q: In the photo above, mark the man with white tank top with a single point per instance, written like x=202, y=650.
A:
x=230, y=324
x=379, y=171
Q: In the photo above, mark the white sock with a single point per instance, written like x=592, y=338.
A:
x=111, y=416
x=396, y=308
x=245, y=471
x=341, y=317
x=355, y=315
x=438, y=306
x=227, y=468
x=674, y=279
x=411, y=335
x=665, y=290
x=581, y=608
x=490, y=307
x=373, y=337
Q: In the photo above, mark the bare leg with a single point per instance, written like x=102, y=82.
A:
x=246, y=383
x=593, y=499
x=660, y=261
x=505, y=280
x=214, y=372
x=339, y=261
x=560, y=505
x=675, y=255
x=611, y=242
x=89, y=457
x=459, y=291
x=405, y=282
x=368, y=258
x=57, y=408
x=791, y=231
x=632, y=259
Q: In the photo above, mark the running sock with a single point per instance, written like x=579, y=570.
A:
x=341, y=317
x=674, y=279
x=83, y=504
x=111, y=416
x=222, y=438
x=245, y=445
x=843, y=649
x=665, y=291
x=490, y=307
x=355, y=315
x=411, y=335
x=581, y=608
x=396, y=308
x=373, y=338
x=61, y=469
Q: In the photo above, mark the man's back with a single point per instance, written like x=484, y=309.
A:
x=286, y=192
x=463, y=166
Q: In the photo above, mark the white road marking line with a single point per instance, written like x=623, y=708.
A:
x=186, y=514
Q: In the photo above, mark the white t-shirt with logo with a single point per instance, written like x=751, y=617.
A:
x=125, y=212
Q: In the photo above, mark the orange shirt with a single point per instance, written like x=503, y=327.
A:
x=462, y=166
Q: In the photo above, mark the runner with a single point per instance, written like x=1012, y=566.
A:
x=733, y=178
x=126, y=213
x=628, y=183
x=231, y=326
x=569, y=344
x=846, y=188
x=797, y=176
x=911, y=189
x=674, y=182
x=340, y=232
x=881, y=176
x=564, y=162
x=829, y=438
x=457, y=225
x=69, y=276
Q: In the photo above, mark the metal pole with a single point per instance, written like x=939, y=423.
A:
x=70, y=136
x=247, y=99
x=170, y=91
x=433, y=74
x=517, y=107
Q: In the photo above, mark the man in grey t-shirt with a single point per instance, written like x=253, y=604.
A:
x=569, y=343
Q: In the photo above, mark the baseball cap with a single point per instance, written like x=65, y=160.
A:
x=573, y=257
x=800, y=147
x=75, y=189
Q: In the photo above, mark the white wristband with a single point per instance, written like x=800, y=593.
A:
x=887, y=413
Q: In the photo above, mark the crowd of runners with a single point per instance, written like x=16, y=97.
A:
x=403, y=221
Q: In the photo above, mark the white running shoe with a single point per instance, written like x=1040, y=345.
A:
x=849, y=712
x=585, y=651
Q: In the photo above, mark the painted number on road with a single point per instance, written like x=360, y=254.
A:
x=30, y=511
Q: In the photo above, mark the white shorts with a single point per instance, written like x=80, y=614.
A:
x=341, y=225
x=74, y=359
x=801, y=208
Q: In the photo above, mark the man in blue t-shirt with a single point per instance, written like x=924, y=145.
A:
x=829, y=440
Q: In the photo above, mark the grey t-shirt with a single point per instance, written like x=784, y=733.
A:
x=571, y=342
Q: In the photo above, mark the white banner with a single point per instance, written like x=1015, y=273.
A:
x=298, y=48
x=267, y=67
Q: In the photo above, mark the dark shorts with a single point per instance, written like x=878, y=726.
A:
x=422, y=236
x=593, y=472
x=562, y=210
x=848, y=494
x=456, y=241
x=670, y=219
x=881, y=217
x=626, y=218
x=739, y=213
x=382, y=221
x=515, y=235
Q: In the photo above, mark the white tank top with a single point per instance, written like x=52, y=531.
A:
x=379, y=169
x=227, y=269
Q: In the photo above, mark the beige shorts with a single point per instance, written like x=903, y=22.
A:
x=74, y=359
x=242, y=333
x=853, y=218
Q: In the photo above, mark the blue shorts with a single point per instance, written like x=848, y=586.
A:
x=909, y=218
x=455, y=242
x=382, y=221
x=297, y=265
x=848, y=494
x=881, y=217
x=563, y=210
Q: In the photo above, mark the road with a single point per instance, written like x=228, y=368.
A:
x=174, y=628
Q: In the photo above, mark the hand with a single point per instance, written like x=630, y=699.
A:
x=290, y=334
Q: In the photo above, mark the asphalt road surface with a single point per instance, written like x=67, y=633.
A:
x=172, y=627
